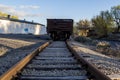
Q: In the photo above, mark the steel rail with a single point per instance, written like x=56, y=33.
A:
x=8, y=75
x=95, y=73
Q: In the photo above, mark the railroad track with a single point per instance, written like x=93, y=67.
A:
x=58, y=61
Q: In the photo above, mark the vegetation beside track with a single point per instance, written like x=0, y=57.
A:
x=110, y=48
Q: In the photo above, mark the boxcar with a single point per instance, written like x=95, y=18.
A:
x=59, y=29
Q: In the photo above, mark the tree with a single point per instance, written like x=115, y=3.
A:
x=3, y=14
x=6, y=15
x=102, y=23
x=83, y=24
x=116, y=15
x=14, y=17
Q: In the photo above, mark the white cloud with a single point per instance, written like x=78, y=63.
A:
x=29, y=7
x=12, y=10
x=33, y=15
x=6, y=8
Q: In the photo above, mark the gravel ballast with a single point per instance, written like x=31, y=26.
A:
x=54, y=73
x=108, y=65
x=13, y=50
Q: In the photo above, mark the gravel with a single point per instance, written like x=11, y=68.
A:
x=54, y=65
x=53, y=73
x=49, y=63
x=107, y=65
x=53, y=62
x=13, y=50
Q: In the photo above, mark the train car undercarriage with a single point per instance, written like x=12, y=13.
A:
x=60, y=35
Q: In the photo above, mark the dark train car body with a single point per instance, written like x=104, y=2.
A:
x=59, y=29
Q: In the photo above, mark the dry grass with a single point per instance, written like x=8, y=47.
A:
x=109, y=51
x=3, y=50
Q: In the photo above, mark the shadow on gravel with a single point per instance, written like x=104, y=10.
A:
x=25, y=37
x=23, y=49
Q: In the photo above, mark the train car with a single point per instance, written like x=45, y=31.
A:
x=59, y=29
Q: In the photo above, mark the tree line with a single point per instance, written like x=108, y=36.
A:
x=106, y=22
x=6, y=15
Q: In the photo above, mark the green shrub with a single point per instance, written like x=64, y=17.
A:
x=81, y=39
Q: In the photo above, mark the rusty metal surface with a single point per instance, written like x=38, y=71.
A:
x=98, y=75
x=59, y=25
x=17, y=67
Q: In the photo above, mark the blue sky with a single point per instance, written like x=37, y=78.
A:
x=40, y=10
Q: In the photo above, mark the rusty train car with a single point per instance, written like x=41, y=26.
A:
x=59, y=29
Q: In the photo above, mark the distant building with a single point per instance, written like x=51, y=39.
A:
x=13, y=26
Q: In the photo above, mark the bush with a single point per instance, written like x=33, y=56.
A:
x=81, y=39
x=86, y=40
